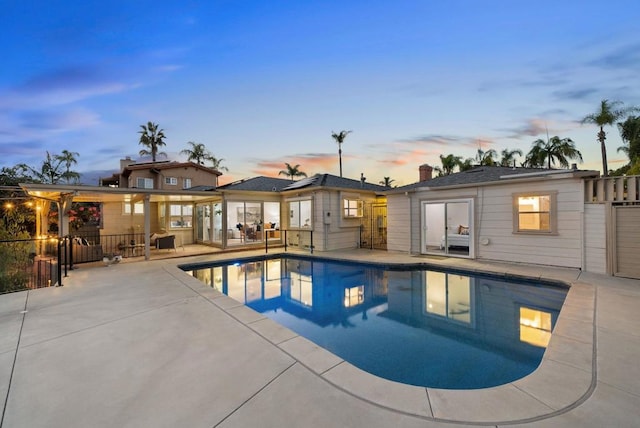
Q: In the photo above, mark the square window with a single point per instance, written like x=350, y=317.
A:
x=534, y=213
x=172, y=181
x=353, y=208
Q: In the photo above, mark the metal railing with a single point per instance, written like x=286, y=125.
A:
x=28, y=264
x=299, y=238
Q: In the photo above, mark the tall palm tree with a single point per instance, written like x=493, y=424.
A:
x=449, y=163
x=509, y=157
x=292, y=171
x=217, y=164
x=339, y=138
x=69, y=158
x=486, y=158
x=553, y=150
x=608, y=113
x=152, y=138
x=387, y=182
x=198, y=153
x=630, y=134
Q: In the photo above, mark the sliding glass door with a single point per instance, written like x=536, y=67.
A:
x=448, y=227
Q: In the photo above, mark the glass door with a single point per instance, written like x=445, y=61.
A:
x=448, y=228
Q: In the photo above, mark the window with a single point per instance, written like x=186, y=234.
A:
x=186, y=183
x=352, y=208
x=535, y=326
x=144, y=183
x=180, y=215
x=138, y=208
x=534, y=213
x=172, y=181
x=300, y=214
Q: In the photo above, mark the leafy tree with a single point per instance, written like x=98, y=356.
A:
x=152, y=138
x=509, y=157
x=486, y=158
x=630, y=134
x=197, y=153
x=292, y=171
x=465, y=165
x=217, y=164
x=69, y=158
x=387, y=182
x=50, y=172
x=608, y=113
x=552, y=151
x=339, y=138
x=449, y=163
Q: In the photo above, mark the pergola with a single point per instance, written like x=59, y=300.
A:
x=65, y=195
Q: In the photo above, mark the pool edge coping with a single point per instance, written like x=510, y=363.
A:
x=438, y=402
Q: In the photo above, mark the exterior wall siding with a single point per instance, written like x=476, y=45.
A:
x=493, y=210
x=595, y=238
x=398, y=223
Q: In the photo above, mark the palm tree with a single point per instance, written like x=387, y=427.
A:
x=217, y=164
x=387, y=181
x=69, y=158
x=486, y=158
x=607, y=114
x=152, y=138
x=339, y=138
x=509, y=157
x=292, y=171
x=449, y=163
x=630, y=134
x=50, y=171
x=198, y=153
x=553, y=150
x=465, y=165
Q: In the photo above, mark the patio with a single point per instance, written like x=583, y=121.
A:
x=142, y=343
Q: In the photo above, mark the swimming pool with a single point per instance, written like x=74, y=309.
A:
x=420, y=327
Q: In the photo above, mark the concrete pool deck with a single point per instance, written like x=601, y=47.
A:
x=144, y=344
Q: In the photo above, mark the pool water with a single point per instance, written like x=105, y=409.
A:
x=427, y=328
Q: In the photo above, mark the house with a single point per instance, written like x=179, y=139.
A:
x=493, y=213
x=170, y=215
x=163, y=175
x=323, y=212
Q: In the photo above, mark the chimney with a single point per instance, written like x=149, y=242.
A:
x=426, y=172
x=125, y=162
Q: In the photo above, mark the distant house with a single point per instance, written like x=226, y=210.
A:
x=162, y=175
x=493, y=213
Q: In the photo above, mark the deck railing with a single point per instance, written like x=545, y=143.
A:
x=612, y=189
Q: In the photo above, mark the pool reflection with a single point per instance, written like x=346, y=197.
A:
x=426, y=328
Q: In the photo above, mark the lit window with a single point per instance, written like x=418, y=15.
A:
x=535, y=327
x=138, y=208
x=186, y=183
x=172, y=181
x=352, y=208
x=144, y=183
x=534, y=213
x=180, y=215
x=353, y=296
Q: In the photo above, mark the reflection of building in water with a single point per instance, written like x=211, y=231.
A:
x=324, y=293
x=485, y=311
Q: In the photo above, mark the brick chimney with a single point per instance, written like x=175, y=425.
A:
x=426, y=172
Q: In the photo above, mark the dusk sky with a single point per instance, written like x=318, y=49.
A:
x=261, y=83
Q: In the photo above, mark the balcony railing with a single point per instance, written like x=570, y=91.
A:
x=612, y=189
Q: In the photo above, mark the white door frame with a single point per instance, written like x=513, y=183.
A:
x=471, y=223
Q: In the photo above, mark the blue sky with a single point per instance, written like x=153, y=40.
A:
x=261, y=83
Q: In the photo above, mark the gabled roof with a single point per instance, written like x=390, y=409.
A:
x=257, y=184
x=491, y=174
x=157, y=166
x=333, y=182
